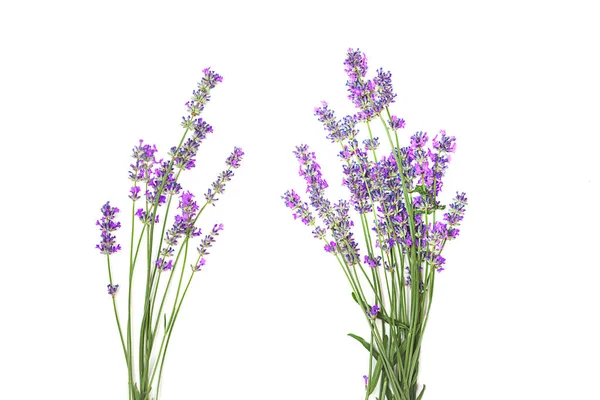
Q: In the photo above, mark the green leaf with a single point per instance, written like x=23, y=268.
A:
x=388, y=393
x=365, y=344
x=422, y=392
x=393, y=322
x=165, y=321
x=375, y=377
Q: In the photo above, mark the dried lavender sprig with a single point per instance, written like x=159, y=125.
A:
x=218, y=187
x=108, y=246
x=401, y=191
x=161, y=184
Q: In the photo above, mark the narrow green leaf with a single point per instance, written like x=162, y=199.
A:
x=393, y=322
x=365, y=344
x=165, y=321
x=388, y=393
x=375, y=377
x=422, y=392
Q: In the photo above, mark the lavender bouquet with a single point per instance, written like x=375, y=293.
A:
x=394, y=196
x=163, y=252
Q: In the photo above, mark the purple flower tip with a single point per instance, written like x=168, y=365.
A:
x=374, y=310
x=366, y=378
x=396, y=123
x=330, y=247
x=235, y=158
x=199, y=266
x=107, y=225
x=112, y=290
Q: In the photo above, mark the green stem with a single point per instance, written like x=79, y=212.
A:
x=110, y=280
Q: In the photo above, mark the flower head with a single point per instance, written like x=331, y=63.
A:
x=373, y=311
x=235, y=158
x=107, y=225
x=198, y=267
x=112, y=290
x=209, y=239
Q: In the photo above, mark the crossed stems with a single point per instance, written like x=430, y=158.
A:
x=148, y=329
x=406, y=332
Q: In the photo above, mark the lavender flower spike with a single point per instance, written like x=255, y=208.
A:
x=112, y=290
x=108, y=245
x=218, y=186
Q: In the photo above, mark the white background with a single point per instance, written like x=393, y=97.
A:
x=516, y=311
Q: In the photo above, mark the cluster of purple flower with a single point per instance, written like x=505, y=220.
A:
x=182, y=226
x=335, y=216
x=107, y=225
x=371, y=97
x=218, y=186
x=108, y=243
x=200, y=98
x=160, y=181
x=206, y=243
x=379, y=186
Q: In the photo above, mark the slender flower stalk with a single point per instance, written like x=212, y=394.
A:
x=394, y=201
x=161, y=241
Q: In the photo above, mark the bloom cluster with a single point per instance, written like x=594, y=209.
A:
x=218, y=186
x=157, y=180
x=395, y=196
x=370, y=96
x=378, y=186
x=206, y=243
x=200, y=98
x=107, y=225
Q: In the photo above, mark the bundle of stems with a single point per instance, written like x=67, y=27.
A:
x=395, y=202
x=161, y=250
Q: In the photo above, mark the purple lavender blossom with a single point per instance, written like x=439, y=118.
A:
x=134, y=193
x=183, y=224
x=200, y=98
x=437, y=234
x=210, y=79
x=372, y=262
x=342, y=234
x=310, y=170
x=371, y=144
x=435, y=260
x=456, y=213
x=235, y=158
x=356, y=64
x=446, y=144
x=112, y=290
x=330, y=247
x=366, y=378
x=372, y=312
x=209, y=239
x=218, y=186
x=384, y=89
x=163, y=265
x=143, y=154
x=371, y=97
x=185, y=156
x=189, y=209
x=301, y=209
x=198, y=267
x=418, y=140
x=396, y=123
x=107, y=225
x=146, y=218
x=338, y=130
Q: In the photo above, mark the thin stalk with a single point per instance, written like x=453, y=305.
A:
x=116, y=313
